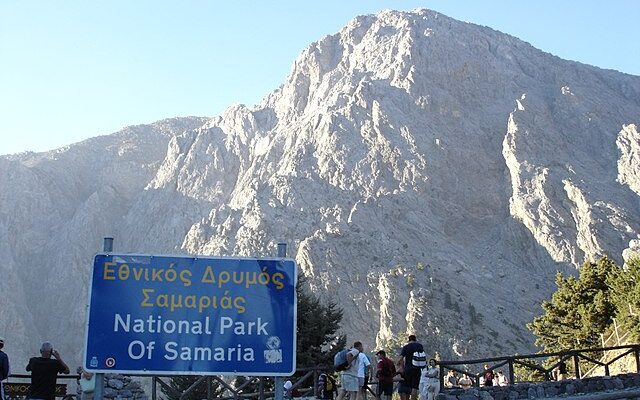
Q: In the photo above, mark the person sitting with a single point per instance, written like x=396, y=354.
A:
x=465, y=381
x=502, y=379
x=451, y=381
x=487, y=376
x=560, y=372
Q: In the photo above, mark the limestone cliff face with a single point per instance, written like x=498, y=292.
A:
x=430, y=175
x=55, y=208
x=629, y=161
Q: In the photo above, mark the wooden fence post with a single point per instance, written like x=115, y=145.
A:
x=512, y=374
x=153, y=388
x=261, y=389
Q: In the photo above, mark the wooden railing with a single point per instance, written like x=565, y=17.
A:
x=17, y=386
x=573, y=357
x=306, y=378
x=617, y=337
x=305, y=384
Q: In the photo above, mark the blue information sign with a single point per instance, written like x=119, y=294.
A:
x=191, y=315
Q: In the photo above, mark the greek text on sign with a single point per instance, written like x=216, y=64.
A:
x=191, y=315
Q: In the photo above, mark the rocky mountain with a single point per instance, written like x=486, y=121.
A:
x=428, y=174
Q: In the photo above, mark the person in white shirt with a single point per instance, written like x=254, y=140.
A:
x=430, y=381
x=87, y=383
x=363, y=366
x=349, y=377
x=502, y=379
x=450, y=381
x=465, y=382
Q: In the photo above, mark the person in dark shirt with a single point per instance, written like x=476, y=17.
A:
x=4, y=367
x=44, y=371
x=411, y=372
x=488, y=375
x=385, y=372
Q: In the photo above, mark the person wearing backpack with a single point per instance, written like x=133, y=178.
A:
x=414, y=359
x=349, y=376
x=385, y=371
x=326, y=386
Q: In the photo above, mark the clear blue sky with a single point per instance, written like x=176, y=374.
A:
x=70, y=70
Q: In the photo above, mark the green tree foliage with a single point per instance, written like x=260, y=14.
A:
x=625, y=293
x=526, y=371
x=579, y=311
x=181, y=384
x=318, y=323
x=252, y=385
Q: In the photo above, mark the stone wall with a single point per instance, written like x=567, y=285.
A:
x=123, y=387
x=567, y=387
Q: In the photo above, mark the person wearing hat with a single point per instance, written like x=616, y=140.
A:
x=4, y=367
x=44, y=372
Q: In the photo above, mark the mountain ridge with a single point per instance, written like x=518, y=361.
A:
x=430, y=175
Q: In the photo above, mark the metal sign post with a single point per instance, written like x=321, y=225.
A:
x=98, y=393
x=279, y=382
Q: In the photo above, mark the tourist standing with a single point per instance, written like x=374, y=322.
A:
x=4, y=368
x=364, y=366
x=326, y=386
x=385, y=371
x=44, y=372
x=87, y=384
x=413, y=358
x=431, y=384
x=349, y=377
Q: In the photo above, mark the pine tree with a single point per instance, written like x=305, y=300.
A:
x=625, y=294
x=579, y=311
x=180, y=384
x=318, y=323
x=252, y=385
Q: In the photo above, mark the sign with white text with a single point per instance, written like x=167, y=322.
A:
x=191, y=315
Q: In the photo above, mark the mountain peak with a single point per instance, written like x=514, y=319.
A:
x=423, y=170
